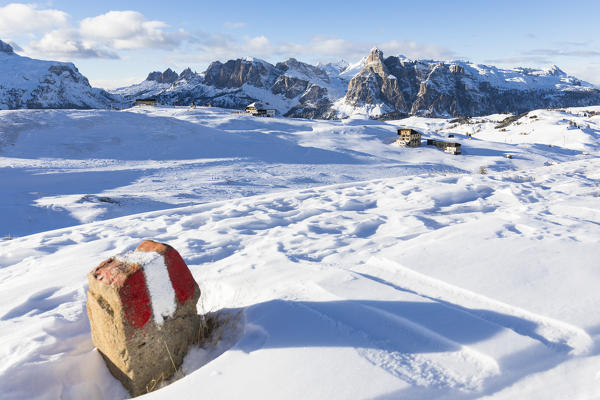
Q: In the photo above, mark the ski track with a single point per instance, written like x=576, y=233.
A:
x=553, y=333
x=389, y=338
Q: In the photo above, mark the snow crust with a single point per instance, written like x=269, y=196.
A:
x=329, y=257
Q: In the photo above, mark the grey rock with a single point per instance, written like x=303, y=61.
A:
x=168, y=76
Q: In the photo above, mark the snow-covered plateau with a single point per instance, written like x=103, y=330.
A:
x=340, y=265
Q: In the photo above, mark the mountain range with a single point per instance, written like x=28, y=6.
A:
x=31, y=83
x=375, y=86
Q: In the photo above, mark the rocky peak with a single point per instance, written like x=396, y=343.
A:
x=302, y=70
x=457, y=69
x=334, y=68
x=375, y=84
x=375, y=56
x=5, y=48
x=169, y=76
x=556, y=71
x=235, y=73
x=187, y=74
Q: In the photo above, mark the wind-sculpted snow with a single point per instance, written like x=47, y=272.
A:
x=359, y=270
x=70, y=167
x=439, y=299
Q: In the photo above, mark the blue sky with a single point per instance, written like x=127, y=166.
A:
x=115, y=43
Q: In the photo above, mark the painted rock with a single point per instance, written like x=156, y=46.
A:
x=142, y=311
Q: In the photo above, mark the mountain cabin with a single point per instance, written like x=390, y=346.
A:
x=448, y=147
x=145, y=102
x=408, y=137
x=259, y=110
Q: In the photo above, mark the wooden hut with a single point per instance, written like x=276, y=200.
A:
x=145, y=102
x=448, y=147
x=259, y=110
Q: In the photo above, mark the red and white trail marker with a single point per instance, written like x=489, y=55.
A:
x=142, y=311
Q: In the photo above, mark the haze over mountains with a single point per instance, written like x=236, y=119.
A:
x=376, y=86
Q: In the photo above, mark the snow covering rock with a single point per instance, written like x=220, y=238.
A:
x=30, y=83
x=5, y=47
x=375, y=86
x=142, y=312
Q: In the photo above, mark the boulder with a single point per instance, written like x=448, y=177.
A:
x=142, y=311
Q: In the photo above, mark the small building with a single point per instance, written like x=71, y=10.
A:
x=145, y=102
x=409, y=137
x=448, y=147
x=259, y=110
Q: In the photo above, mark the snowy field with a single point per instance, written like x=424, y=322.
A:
x=342, y=267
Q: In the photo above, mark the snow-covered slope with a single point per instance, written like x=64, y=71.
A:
x=30, y=83
x=70, y=167
x=338, y=265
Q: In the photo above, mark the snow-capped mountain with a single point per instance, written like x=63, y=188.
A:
x=398, y=85
x=375, y=86
x=30, y=83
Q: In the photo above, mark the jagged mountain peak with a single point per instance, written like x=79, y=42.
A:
x=338, y=65
x=555, y=71
x=168, y=76
x=375, y=56
x=255, y=60
x=301, y=70
x=6, y=48
x=187, y=74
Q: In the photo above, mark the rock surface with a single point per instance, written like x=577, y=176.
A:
x=142, y=312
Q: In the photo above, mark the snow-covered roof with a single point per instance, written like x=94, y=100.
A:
x=256, y=104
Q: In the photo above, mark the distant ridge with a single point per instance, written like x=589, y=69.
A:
x=375, y=86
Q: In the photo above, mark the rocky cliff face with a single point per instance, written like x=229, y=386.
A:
x=29, y=83
x=375, y=86
x=169, y=76
x=235, y=73
x=406, y=87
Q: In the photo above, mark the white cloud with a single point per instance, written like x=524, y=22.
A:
x=127, y=30
x=106, y=35
x=412, y=49
x=18, y=18
x=258, y=45
x=65, y=44
x=102, y=36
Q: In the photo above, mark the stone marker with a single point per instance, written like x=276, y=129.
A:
x=142, y=311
